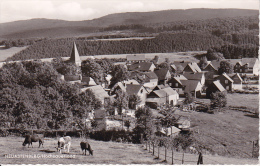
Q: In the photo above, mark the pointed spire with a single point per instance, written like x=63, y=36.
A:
x=74, y=58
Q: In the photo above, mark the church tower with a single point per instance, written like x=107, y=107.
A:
x=74, y=57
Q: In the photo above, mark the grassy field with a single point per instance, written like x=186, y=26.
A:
x=230, y=133
x=246, y=100
x=104, y=153
x=5, y=53
x=175, y=56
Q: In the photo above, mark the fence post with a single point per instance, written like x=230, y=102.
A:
x=165, y=148
x=145, y=145
x=153, y=148
x=158, y=151
x=172, y=156
x=149, y=145
x=182, y=161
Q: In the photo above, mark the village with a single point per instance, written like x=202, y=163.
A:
x=170, y=85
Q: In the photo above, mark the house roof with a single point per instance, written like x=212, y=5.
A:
x=72, y=77
x=165, y=92
x=181, y=63
x=219, y=86
x=88, y=81
x=194, y=67
x=232, y=76
x=142, y=66
x=181, y=77
x=170, y=91
x=120, y=85
x=161, y=73
x=216, y=64
x=162, y=86
x=170, y=130
x=226, y=76
x=132, y=81
x=135, y=57
x=251, y=61
x=208, y=65
x=74, y=57
x=193, y=76
x=133, y=89
x=98, y=91
x=190, y=85
x=151, y=75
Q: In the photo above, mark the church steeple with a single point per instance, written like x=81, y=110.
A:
x=74, y=57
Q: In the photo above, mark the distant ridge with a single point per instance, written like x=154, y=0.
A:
x=61, y=28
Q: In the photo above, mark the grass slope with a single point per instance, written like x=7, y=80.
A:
x=6, y=53
x=104, y=153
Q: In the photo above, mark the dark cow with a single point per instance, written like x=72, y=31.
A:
x=85, y=146
x=29, y=139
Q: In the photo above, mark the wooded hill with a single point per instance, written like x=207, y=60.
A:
x=38, y=28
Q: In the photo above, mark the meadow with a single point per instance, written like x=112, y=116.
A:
x=5, y=53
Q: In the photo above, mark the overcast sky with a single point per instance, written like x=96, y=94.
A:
x=75, y=10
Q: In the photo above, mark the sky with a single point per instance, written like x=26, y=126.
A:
x=77, y=10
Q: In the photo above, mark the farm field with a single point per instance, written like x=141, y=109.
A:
x=246, y=100
x=5, y=53
x=175, y=56
x=229, y=133
x=104, y=152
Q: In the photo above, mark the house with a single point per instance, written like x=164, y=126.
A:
x=74, y=58
x=163, y=75
x=192, y=68
x=226, y=81
x=162, y=96
x=98, y=91
x=183, y=123
x=179, y=65
x=216, y=64
x=87, y=81
x=138, y=90
x=215, y=86
x=142, y=66
x=175, y=82
x=117, y=86
x=237, y=84
x=192, y=86
x=135, y=58
x=196, y=76
x=209, y=68
x=251, y=65
x=170, y=131
x=151, y=80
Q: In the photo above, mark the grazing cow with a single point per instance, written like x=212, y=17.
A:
x=29, y=139
x=85, y=146
x=64, y=142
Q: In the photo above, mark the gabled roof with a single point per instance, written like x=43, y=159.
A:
x=232, y=76
x=98, y=91
x=170, y=130
x=151, y=75
x=227, y=77
x=165, y=92
x=135, y=57
x=181, y=77
x=216, y=64
x=120, y=85
x=132, y=81
x=74, y=57
x=218, y=85
x=142, y=66
x=190, y=85
x=251, y=61
x=209, y=65
x=194, y=67
x=161, y=73
x=170, y=91
x=193, y=76
x=158, y=87
x=133, y=89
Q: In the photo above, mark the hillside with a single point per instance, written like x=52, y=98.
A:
x=36, y=28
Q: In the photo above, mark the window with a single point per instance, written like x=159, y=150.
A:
x=227, y=87
x=226, y=81
x=141, y=90
x=170, y=84
x=176, y=84
x=240, y=70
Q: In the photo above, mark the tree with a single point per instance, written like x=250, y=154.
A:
x=188, y=98
x=203, y=62
x=169, y=118
x=119, y=73
x=134, y=100
x=121, y=101
x=127, y=124
x=218, y=99
x=225, y=67
x=92, y=69
x=212, y=55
